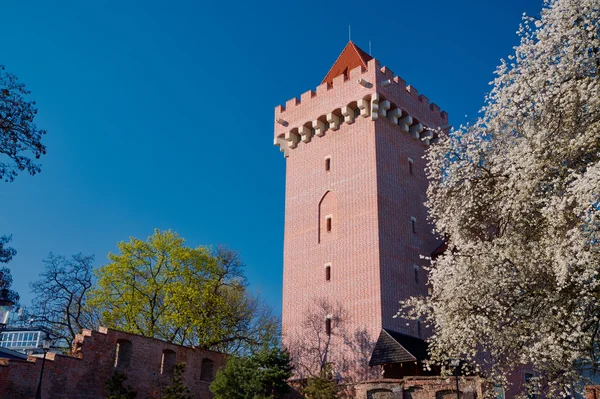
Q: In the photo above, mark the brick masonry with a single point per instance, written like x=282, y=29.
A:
x=592, y=392
x=420, y=388
x=370, y=193
x=84, y=374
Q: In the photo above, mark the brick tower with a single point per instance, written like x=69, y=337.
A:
x=355, y=223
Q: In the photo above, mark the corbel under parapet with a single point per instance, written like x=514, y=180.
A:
x=319, y=128
x=293, y=138
x=334, y=121
x=405, y=122
x=348, y=114
x=305, y=133
x=415, y=130
x=394, y=115
x=375, y=106
x=365, y=109
x=383, y=108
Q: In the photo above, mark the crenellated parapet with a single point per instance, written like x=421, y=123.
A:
x=373, y=93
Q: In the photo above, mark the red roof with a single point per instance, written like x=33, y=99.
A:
x=350, y=58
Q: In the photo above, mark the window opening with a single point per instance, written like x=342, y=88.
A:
x=410, y=166
x=416, y=271
x=329, y=224
x=328, y=272
x=123, y=353
x=356, y=112
x=207, y=370
x=167, y=365
x=327, y=164
x=328, y=326
x=413, y=224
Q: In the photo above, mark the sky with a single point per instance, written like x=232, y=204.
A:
x=160, y=114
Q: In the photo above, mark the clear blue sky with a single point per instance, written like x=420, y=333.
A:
x=160, y=114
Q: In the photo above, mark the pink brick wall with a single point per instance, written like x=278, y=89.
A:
x=85, y=374
x=372, y=248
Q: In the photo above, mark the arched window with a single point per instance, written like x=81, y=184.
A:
x=328, y=218
x=167, y=364
x=123, y=353
x=207, y=371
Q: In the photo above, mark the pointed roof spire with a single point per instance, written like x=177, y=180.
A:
x=351, y=57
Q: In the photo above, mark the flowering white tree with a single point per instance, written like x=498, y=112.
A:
x=517, y=195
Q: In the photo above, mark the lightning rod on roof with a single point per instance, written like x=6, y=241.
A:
x=370, y=48
x=349, y=33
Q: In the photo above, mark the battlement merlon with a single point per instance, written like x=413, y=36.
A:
x=359, y=83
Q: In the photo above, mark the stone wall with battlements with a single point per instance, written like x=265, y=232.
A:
x=147, y=363
x=372, y=93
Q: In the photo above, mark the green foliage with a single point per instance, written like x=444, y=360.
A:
x=322, y=387
x=163, y=289
x=116, y=389
x=177, y=390
x=259, y=376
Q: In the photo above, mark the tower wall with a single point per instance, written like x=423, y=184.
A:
x=369, y=193
x=347, y=192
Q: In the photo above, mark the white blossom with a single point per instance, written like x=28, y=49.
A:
x=517, y=195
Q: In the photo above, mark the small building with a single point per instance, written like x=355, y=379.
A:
x=26, y=340
x=400, y=355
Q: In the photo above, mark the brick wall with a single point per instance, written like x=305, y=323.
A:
x=592, y=392
x=371, y=195
x=85, y=373
x=420, y=388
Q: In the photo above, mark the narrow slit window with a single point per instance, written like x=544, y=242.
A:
x=329, y=224
x=416, y=272
x=419, y=328
x=413, y=225
x=327, y=272
x=410, y=166
x=328, y=164
x=328, y=326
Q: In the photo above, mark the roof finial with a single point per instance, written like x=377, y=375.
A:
x=349, y=33
x=370, y=48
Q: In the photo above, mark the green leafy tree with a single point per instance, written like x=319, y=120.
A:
x=261, y=375
x=323, y=386
x=116, y=388
x=164, y=289
x=178, y=390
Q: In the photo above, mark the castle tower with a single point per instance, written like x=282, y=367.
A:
x=355, y=223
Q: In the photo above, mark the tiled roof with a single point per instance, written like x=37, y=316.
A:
x=395, y=347
x=351, y=57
